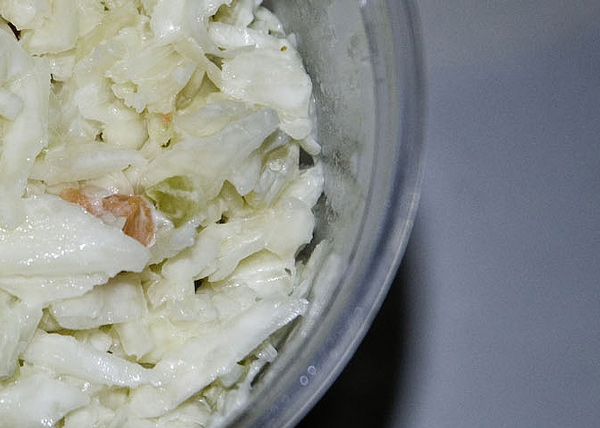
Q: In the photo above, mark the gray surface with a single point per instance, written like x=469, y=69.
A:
x=504, y=261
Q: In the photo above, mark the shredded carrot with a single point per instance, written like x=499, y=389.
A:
x=166, y=119
x=76, y=196
x=136, y=211
x=138, y=216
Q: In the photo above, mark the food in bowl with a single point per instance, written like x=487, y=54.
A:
x=157, y=179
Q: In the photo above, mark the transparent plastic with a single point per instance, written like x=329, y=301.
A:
x=365, y=60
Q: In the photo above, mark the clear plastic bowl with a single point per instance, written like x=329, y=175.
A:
x=365, y=60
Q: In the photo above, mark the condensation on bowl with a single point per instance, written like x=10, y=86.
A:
x=365, y=61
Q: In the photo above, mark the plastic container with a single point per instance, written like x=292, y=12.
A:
x=365, y=60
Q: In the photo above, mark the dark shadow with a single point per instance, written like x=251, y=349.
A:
x=367, y=391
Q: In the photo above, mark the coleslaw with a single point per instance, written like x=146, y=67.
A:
x=152, y=206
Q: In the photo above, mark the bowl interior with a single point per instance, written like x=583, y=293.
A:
x=364, y=59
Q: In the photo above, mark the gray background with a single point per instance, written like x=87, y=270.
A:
x=494, y=319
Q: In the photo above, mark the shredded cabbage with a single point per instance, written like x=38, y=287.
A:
x=152, y=205
x=38, y=400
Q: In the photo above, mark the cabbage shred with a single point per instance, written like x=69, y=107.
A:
x=152, y=206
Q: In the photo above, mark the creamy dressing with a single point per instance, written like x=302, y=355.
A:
x=152, y=206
